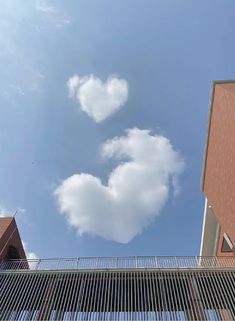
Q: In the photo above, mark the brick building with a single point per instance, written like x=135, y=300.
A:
x=10, y=242
x=218, y=179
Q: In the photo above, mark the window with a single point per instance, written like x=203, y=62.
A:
x=12, y=253
x=227, y=245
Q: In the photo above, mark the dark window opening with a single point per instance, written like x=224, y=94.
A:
x=227, y=245
x=12, y=253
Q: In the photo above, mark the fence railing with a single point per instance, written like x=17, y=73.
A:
x=134, y=262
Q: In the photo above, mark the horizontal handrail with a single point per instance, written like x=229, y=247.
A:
x=133, y=262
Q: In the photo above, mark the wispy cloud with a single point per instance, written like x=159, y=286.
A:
x=4, y=211
x=44, y=7
x=17, y=89
x=96, y=98
x=137, y=189
x=62, y=23
x=36, y=85
x=11, y=93
x=56, y=16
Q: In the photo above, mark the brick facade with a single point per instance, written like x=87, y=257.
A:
x=10, y=239
x=219, y=172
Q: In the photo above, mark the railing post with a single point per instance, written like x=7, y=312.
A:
x=58, y=264
x=176, y=262
x=156, y=261
x=37, y=266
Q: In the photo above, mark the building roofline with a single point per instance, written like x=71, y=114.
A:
x=211, y=101
x=227, y=81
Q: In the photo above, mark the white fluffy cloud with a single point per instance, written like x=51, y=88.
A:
x=96, y=98
x=136, y=191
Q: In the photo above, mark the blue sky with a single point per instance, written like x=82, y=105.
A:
x=162, y=56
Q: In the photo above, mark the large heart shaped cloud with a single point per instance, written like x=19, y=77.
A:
x=136, y=191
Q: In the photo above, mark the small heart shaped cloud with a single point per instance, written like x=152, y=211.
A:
x=98, y=99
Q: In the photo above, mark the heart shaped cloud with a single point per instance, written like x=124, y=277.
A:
x=96, y=98
x=136, y=191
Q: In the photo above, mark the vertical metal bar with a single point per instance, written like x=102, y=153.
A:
x=226, y=293
x=95, y=306
x=229, y=288
x=145, y=301
x=5, y=289
x=91, y=297
x=203, y=286
x=57, y=285
x=56, y=300
x=109, y=293
x=121, y=296
x=102, y=306
x=112, y=296
x=65, y=293
x=153, y=295
x=5, y=301
x=81, y=295
x=115, y=296
x=131, y=306
x=181, y=289
x=31, y=293
x=197, y=302
x=118, y=296
x=71, y=294
x=88, y=296
x=174, y=296
x=100, y=293
x=18, y=305
x=214, y=291
x=189, y=288
x=171, y=297
x=198, y=277
x=85, y=295
x=44, y=279
x=124, y=295
x=46, y=308
x=148, y=292
x=163, y=294
x=104, y=296
x=12, y=303
x=26, y=297
x=79, y=289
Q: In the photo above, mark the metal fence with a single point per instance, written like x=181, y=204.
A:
x=134, y=262
x=124, y=295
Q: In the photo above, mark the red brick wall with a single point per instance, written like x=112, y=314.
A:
x=219, y=179
x=9, y=236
